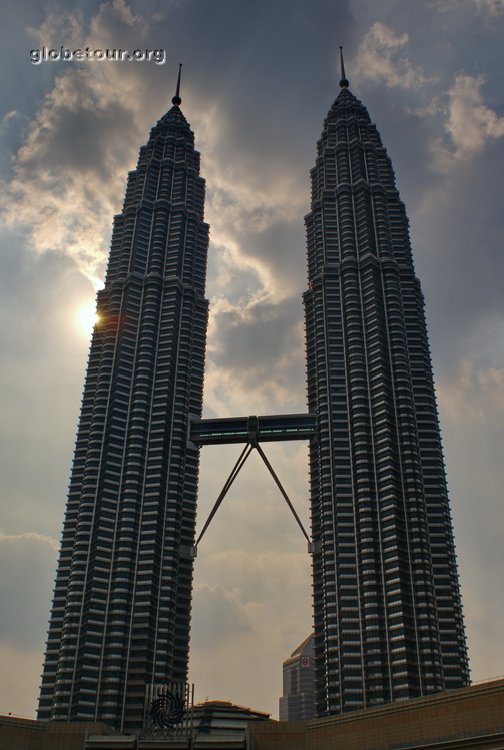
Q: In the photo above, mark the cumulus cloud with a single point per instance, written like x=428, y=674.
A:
x=382, y=57
x=69, y=172
x=257, y=573
x=255, y=356
x=471, y=124
x=212, y=604
x=9, y=116
x=257, y=194
x=476, y=394
x=57, y=189
x=59, y=25
x=269, y=626
x=260, y=232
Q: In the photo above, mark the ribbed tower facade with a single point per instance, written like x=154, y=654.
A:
x=388, y=619
x=121, y=609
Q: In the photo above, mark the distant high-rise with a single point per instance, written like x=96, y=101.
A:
x=388, y=620
x=298, y=700
x=121, y=609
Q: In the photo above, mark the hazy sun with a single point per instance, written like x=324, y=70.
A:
x=87, y=317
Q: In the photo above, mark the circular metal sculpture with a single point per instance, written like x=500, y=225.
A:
x=167, y=710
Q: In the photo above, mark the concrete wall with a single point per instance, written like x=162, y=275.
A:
x=282, y=735
x=29, y=734
x=21, y=734
x=476, y=712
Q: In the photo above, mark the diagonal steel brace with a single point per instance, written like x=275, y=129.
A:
x=251, y=444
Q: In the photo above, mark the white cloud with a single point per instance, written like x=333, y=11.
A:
x=30, y=536
x=255, y=194
x=381, y=57
x=62, y=206
x=69, y=172
x=12, y=115
x=471, y=124
x=477, y=394
x=61, y=27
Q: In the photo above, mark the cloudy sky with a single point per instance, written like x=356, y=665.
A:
x=258, y=79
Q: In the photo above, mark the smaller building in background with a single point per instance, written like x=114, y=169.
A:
x=298, y=700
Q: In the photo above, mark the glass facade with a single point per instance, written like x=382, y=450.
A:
x=388, y=619
x=121, y=609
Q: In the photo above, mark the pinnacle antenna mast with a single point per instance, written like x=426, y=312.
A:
x=344, y=80
x=177, y=101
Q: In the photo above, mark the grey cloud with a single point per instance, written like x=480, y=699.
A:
x=458, y=245
x=473, y=446
x=401, y=126
x=227, y=277
x=29, y=560
x=216, y=616
x=282, y=247
x=256, y=361
x=253, y=544
x=255, y=340
x=41, y=381
x=76, y=137
x=249, y=43
x=259, y=575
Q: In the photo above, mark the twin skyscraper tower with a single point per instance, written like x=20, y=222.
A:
x=387, y=614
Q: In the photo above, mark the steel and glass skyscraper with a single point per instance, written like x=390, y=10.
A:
x=121, y=609
x=388, y=620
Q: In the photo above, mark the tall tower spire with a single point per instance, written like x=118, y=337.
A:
x=344, y=81
x=176, y=100
x=387, y=611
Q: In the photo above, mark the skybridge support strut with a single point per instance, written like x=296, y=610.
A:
x=286, y=498
x=247, y=450
x=229, y=481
